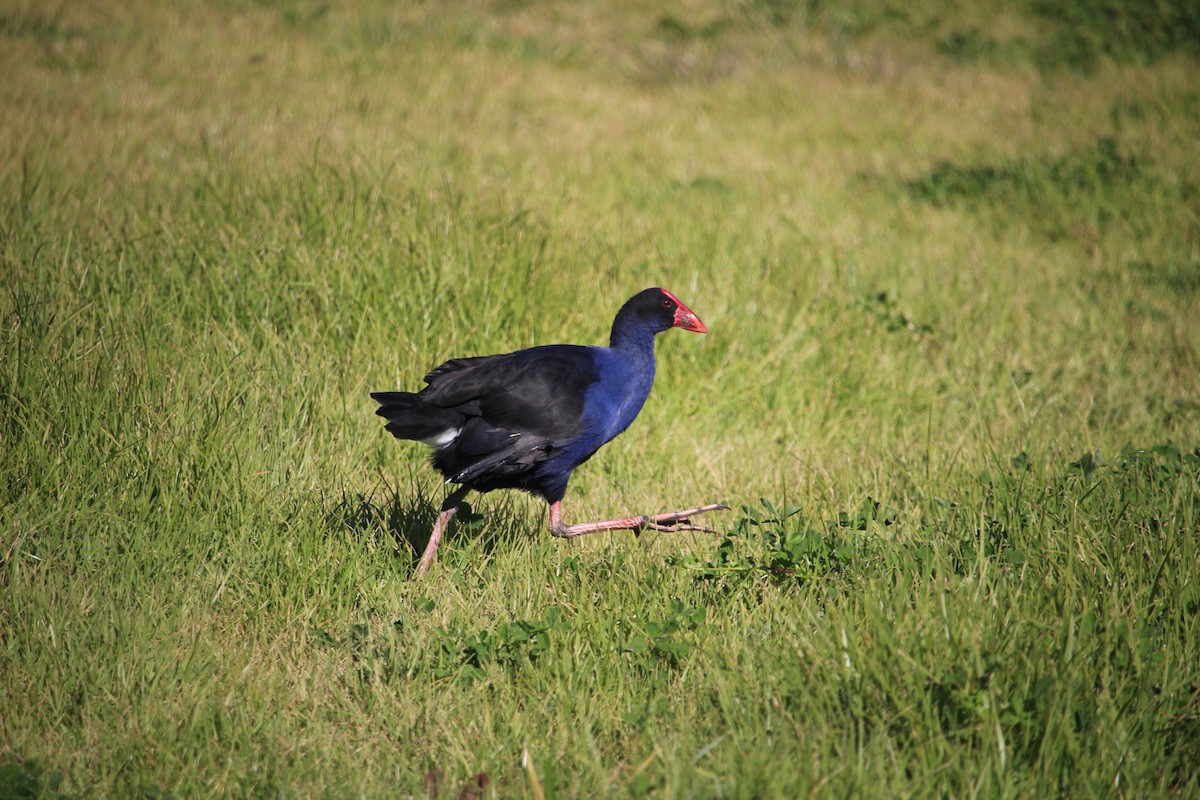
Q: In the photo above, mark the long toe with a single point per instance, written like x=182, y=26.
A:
x=675, y=527
x=670, y=517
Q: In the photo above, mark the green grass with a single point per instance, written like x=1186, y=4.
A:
x=951, y=280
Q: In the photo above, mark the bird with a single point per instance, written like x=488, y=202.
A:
x=527, y=419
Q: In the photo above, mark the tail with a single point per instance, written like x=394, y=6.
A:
x=410, y=417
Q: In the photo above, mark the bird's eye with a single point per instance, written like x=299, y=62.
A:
x=666, y=303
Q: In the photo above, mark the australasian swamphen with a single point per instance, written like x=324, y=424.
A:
x=526, y=420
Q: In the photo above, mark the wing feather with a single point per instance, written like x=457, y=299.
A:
x=519, y=408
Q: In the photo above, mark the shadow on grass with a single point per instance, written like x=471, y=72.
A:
x=406, y=519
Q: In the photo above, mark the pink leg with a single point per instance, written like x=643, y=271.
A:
x=670, y=521
x=449, y=509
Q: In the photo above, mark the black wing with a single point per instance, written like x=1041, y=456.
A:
x=516, y=409
x=539, y=391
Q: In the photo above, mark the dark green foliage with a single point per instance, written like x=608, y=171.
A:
x=465, y=654
x=975, y=45
x=883, y=308
x=1178, y=276
x=1085, y=31
x=667, y=642
x=1088, y=188
x=28, y=780
x=1092, y=169
x=37, y=26
x=507, y=646
x=780, y=546
x=673, y=28
x=64, y=47
x=1074, y=35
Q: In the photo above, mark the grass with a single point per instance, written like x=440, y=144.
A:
x=950, y=390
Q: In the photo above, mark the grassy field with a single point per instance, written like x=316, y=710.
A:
x=950, y=261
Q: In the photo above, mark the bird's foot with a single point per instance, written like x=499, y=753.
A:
x=668, y=522
x=672, y=521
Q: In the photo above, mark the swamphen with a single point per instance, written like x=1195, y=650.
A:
x=526, y=420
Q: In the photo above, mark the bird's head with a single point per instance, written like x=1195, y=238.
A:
x=657, y=310
x=652, y=311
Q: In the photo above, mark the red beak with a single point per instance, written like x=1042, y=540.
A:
x=685, y=318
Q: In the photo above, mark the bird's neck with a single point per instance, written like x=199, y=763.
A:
x=628, y=374
x=633, y=342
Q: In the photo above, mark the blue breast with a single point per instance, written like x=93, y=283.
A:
x=612, y=403
x=626, y=374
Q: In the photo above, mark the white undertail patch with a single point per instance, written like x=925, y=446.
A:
x=444, y=438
